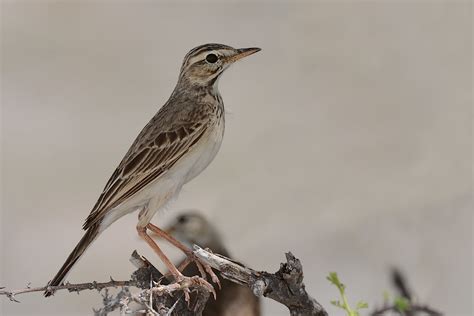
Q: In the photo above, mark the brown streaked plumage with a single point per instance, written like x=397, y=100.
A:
x=174, y=147
x=232, y=299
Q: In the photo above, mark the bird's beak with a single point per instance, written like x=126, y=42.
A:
x=243, y=52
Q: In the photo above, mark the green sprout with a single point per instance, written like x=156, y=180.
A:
x=401, y=304
x=334, y=279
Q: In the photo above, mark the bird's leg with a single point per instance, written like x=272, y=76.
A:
x=169, y=238
x=174, y=271
x=185, y=281
x=189, y=254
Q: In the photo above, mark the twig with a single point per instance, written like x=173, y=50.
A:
x=155, y=298
x=412, y=308
x=401, y=285
x=11, y=294
x=285, y=286
x=140, y=279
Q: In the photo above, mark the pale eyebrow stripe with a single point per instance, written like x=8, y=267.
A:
x=193, y=59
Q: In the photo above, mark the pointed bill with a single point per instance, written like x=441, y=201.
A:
x=243, y=52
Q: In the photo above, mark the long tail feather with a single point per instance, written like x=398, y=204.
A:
x=83, y=244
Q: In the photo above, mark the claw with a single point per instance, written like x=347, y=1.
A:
x=186, y=295
x=202, y=267
x=205, y=284
x=201, y=270
x=214, y=277
x=188, y=282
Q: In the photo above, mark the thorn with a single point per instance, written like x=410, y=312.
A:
x=12, y=298
x=174, y=306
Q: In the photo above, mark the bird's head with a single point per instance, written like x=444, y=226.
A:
x=204, y=64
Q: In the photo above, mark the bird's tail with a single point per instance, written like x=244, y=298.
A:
x=83, y=244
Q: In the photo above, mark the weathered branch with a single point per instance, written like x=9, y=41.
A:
x=285, y=286
x=159, y=297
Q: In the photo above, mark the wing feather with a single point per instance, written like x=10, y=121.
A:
x=145, y=162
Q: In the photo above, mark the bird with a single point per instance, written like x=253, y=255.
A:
x=191, y=227
x=176, y=145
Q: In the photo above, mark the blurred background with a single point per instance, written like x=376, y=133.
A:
x=348, y=140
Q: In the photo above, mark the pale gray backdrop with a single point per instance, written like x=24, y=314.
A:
x=348, y=140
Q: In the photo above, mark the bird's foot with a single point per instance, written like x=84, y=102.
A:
x=204, y=268
x=187, y=283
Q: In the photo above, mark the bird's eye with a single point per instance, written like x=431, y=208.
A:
x=182, y=219
x=211, y=58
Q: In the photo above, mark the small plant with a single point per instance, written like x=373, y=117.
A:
x=334, y=279
x=401, y=304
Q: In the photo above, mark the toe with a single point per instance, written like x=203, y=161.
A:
x=214, y=277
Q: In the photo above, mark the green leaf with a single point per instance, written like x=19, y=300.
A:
x=401, y=304
x=361, y=305
x=334, y=279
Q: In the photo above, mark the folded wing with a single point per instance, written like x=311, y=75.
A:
x=150, y=156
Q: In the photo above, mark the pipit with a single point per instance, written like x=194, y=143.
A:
x=176, y=145
x=232, y=299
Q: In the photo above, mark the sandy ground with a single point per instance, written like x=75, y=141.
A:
x=348, y=140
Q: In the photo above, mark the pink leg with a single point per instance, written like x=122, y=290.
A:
x=171, y=267
x=178, y=276
x=200, y=265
